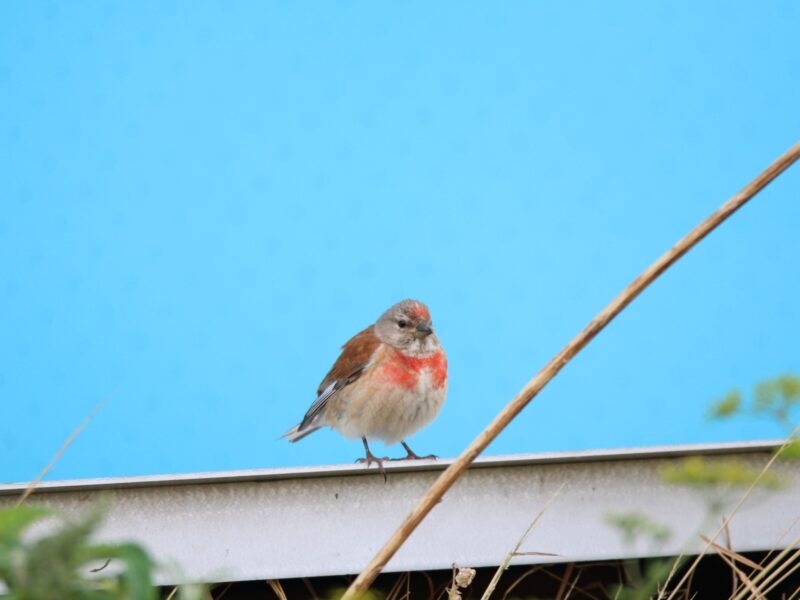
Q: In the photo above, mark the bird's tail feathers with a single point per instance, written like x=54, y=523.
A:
x=296, y=433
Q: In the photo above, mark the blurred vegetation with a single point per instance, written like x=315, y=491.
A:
x=706, y=473
x=61, y=562
x=714, y=478
x=777, y=398
x=634, y=525
x=45, y=555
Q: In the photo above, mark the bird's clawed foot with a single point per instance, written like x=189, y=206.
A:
x=371, y=458
x=411, y=455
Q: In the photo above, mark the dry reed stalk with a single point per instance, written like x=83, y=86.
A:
x=67, y=443
x=562, y=588
x=520, y=579
x=773, y=568
x=792, y=559
x=446, y=480
x=794, y=595
x=727, y=519
x=722, y=550
x=513, y=552
x=276, y=586
x=742, y=576
x=559, y=579
x=772, y=551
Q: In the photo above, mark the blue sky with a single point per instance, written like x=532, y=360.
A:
x=203, y=201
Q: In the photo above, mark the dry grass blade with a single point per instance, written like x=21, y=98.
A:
x=729, y=546
x=772, y=569
x=777, y=543
x=742, y=576
x=67, y=443
x=520, y=579
x=732, y=555
x=396, y=589
x=562, y=589
x=222, y=593
x=276, y=586
x=310, y=588
x=511, y=554
x=794, y=595
x=775, y=568
x=574, y=584
x=577, y=589
x=792, y=559
x=450, y=475
x=742, y=500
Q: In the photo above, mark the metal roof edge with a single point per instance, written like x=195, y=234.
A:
x=501, y=460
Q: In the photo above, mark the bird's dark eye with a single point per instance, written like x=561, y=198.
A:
x=402, y=323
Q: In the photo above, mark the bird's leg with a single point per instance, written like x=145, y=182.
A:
x=370, y=458
x=413, y=455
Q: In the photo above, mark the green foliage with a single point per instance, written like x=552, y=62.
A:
x=701, y=472
x=642, y=578
x=634, y=525
x=727, y=406
x=58, y=562
x=643, y=583
x=776, y=397
x=791, y=451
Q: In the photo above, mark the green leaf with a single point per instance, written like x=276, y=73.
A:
x=764, y=394
x=727, y=406
x=789, y=387
x=633, y=525
x=790, y=451
x=699, y=472
x=13, y=521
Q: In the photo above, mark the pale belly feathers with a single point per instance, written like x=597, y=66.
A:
x=377, y=408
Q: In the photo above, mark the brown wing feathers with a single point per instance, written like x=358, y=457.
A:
x=347, y=368
x=354, y=357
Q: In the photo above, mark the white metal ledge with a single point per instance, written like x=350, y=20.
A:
x=330, y=520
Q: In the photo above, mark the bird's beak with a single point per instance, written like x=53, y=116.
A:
x=423, y=330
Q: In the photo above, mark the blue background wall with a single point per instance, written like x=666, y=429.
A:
x=201, y=203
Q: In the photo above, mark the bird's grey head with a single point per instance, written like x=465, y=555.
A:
x=407, y=326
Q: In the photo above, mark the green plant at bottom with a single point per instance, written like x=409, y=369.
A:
x=58, y=563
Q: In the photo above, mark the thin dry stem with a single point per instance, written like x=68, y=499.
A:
x=729, y=546
x=772, y=551
x=520, y=579
x=276, y=586
x=574, y=584
x=222, y=594
x=723, y=551
x=795, y=594
x=394, y=592
x=792, y=559
x=562, y=589
x=559, y=579
x=773, y=568
x=67, y=443
x=741, y=575
x=446, y=480
x=310, y=588
x=727, y=519
x=511, y=554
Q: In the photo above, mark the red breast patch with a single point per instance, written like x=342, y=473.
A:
x=404, y=370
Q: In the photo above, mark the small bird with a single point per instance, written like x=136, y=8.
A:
x=389, y=381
